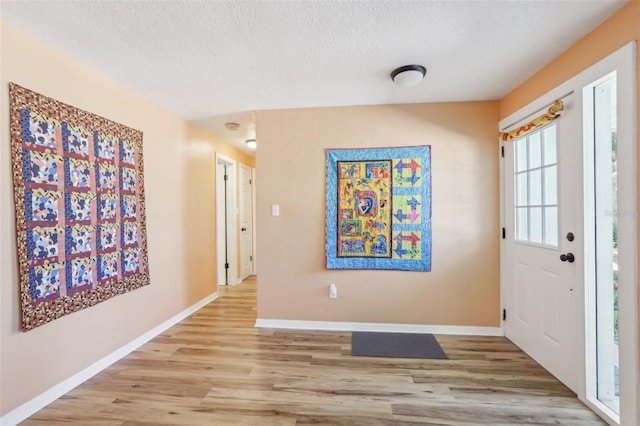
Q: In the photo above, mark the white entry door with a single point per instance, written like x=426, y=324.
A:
x=578, y=176
x=246, y=222
x=543, y=242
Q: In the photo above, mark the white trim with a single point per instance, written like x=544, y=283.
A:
x=242, y=200
x=232, y=223
x=628, y=233
x=607, y=414
x=503, y=241
x=380, y=327
x=253, y=221
x=219, y=219
x=236, y=282
x=34, y=405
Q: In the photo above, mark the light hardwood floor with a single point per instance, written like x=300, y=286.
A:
x=215, y=368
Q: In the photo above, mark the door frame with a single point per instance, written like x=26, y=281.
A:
x=250, y=200
x=623, y=61
x=254, y=213
x=230, y=245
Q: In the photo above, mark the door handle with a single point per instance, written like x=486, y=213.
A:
x=243, y=229
x=569, y=257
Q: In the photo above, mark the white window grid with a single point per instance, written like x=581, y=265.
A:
x=536, y=187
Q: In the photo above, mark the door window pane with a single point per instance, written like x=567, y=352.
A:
x=521, y=154
x=549, y=136
x=536, y=187
x=521, y=189
x=606, y=237
x=551, y=226
x=535, y=224
x=550, y=185
x=522, y=224
x=535, y=151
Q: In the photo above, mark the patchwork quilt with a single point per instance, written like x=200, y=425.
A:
x=379, y=208
x=79, y=204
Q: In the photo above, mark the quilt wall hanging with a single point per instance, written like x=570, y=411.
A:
x=379, y=208
x=79, y=204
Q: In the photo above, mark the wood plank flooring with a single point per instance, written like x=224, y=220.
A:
x=215, y=368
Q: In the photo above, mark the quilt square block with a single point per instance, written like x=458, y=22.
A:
x=42, y=168
x=44, y=243
x=128, y=152
x=106, y=146
x=128, y=178
x=108, y=237
x=78, y=173
x=129, y=233
x=80, y=206
x=83, y=274
x=106, y=176
x=107, y=206
x=43, y=205
x=38, y=129
x=76, y=140
x=80, y=240
x=45, y=281
x=130, y=261
x=109, y=266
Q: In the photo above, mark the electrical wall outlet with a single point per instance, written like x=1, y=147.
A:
x=333, y=291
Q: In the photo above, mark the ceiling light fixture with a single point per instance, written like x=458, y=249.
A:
x=232, y=126
x=251, y=143
x=408, y=75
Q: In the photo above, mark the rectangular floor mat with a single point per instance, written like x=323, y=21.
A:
x=396, y=345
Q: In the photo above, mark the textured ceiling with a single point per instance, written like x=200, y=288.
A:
x=214, y=61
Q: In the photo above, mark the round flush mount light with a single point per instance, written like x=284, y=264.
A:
x=251, y=143
x=408, y=75
x=232, y=126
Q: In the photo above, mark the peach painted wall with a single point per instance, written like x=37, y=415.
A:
x=179, y=174
x=463, y=287
x=618, y=30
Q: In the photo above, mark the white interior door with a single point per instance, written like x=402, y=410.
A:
x=221, y=224
x=226, y=230
x=246, y=222
x=543, y=271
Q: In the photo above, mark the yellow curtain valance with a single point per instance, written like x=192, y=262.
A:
x=551, y=115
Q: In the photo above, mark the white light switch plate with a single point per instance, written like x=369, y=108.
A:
x=275, y=210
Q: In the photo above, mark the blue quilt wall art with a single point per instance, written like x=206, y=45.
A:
x=379, y=208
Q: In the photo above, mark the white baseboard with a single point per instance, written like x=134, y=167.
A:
x=39, y=402
x=380, y=327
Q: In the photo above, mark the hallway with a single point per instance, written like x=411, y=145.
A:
x=215, y=368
